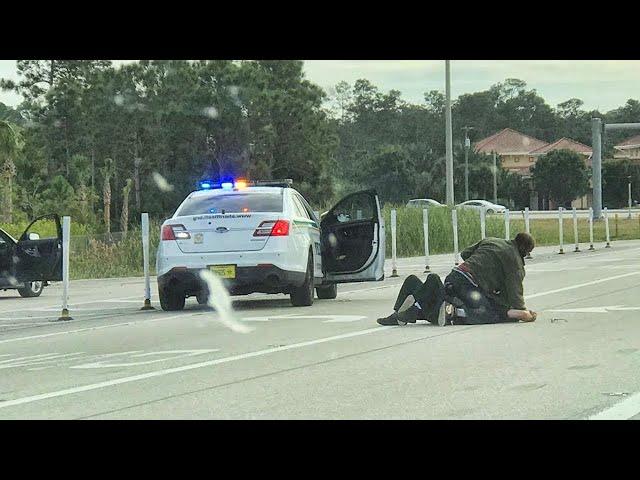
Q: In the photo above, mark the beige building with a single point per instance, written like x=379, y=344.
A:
x=519, y=152
x=629, y=149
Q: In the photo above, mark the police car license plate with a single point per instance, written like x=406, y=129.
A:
x=224, y=271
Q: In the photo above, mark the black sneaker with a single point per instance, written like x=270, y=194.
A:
x=410, y=315
x=390, y=320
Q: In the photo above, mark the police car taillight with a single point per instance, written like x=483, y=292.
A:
x=272, y=228
x=175, y=232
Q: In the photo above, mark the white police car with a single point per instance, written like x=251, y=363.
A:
x=264, y=237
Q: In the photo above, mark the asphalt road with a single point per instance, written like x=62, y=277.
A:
x=579, y=360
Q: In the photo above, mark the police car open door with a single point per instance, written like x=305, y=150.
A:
x=38, y=253
x=352, y=240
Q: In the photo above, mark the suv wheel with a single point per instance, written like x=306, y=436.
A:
x=31, y=289
x=171, y=301
x=303, y=296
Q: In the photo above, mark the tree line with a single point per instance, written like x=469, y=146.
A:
x=93, y=140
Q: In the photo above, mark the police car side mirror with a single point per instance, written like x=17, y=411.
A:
x=33, y=236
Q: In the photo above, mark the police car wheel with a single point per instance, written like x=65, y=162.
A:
x=171, y=301
x=303, y=296
x=202, y=298
x=31, y=289
x=327, y=292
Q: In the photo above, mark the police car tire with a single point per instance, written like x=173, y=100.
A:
x=303, y=295
x=202, y=298
x=171, y=301
x=327, y=292
x=29, y=291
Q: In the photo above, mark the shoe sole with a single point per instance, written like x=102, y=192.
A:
x=407, y=304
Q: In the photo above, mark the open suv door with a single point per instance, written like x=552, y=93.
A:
x=39, y=259
x=353, y=240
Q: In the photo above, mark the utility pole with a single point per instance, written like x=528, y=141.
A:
x=495, y=179
x=467, y=145
x=448, y=135
x=629, y=185
x=596, y=161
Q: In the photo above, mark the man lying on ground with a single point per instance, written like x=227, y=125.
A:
x=485, y=288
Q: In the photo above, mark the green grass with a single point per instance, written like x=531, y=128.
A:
x=97, y=256
x=410, y=237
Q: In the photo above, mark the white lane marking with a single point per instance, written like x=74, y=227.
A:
x=345, y=318
x=80, y=330
x=34, y=318
x=583, y=310
x=72, y=309
x=41, y=361
x=184, y=368
x=89, y=302
x=328, y=318
x=624, y=410
x=603, y=309
x=173, y=355
x=29, y=357
x=573, y=287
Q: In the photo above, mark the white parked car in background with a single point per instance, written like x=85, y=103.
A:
x=265, y=237
x=423, y=203
x=488, y=207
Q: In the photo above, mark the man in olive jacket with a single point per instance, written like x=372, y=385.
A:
x=485, y=288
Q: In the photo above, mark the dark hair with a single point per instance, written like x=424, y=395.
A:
x=525, y=243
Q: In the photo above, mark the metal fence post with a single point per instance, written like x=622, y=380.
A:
x=483, y=223
x=507, y=232
x=606, y=226
x=66, y=235
x=561, y=232
x=575, y=230
x=527, y=226
x=394, y=263
x=425, y=226
x=145, y=255
x=591, y=228
x=454, y=222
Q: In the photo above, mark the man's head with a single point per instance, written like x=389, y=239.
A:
x=525, y=243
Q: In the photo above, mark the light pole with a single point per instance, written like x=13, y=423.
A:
x=467, y=145
x=629, y=185
x=448, y=135
x=495, y=179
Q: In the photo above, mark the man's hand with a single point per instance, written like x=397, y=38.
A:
x=523, y=315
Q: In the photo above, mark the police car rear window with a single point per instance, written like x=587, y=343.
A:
x=232, y=203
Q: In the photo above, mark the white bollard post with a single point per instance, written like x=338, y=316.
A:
x=454, y=221
x=575, y=230
x=561, y=230
x=394, y=264
x=145, y=255
x=527, y=226
x=66, y=234
x=507, y=232
x=483, y=223
x=606, y=226
x=425, y=226
x=591, y=228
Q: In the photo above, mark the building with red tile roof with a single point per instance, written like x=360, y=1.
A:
x=629, y=149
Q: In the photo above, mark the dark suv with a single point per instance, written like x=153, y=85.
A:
x=28, y=264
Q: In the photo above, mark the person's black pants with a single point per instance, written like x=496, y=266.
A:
x=457, y=290
x=429, y=295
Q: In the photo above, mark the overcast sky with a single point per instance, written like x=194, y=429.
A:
x=601, y=84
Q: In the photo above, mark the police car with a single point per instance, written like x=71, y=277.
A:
x=264, y=237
